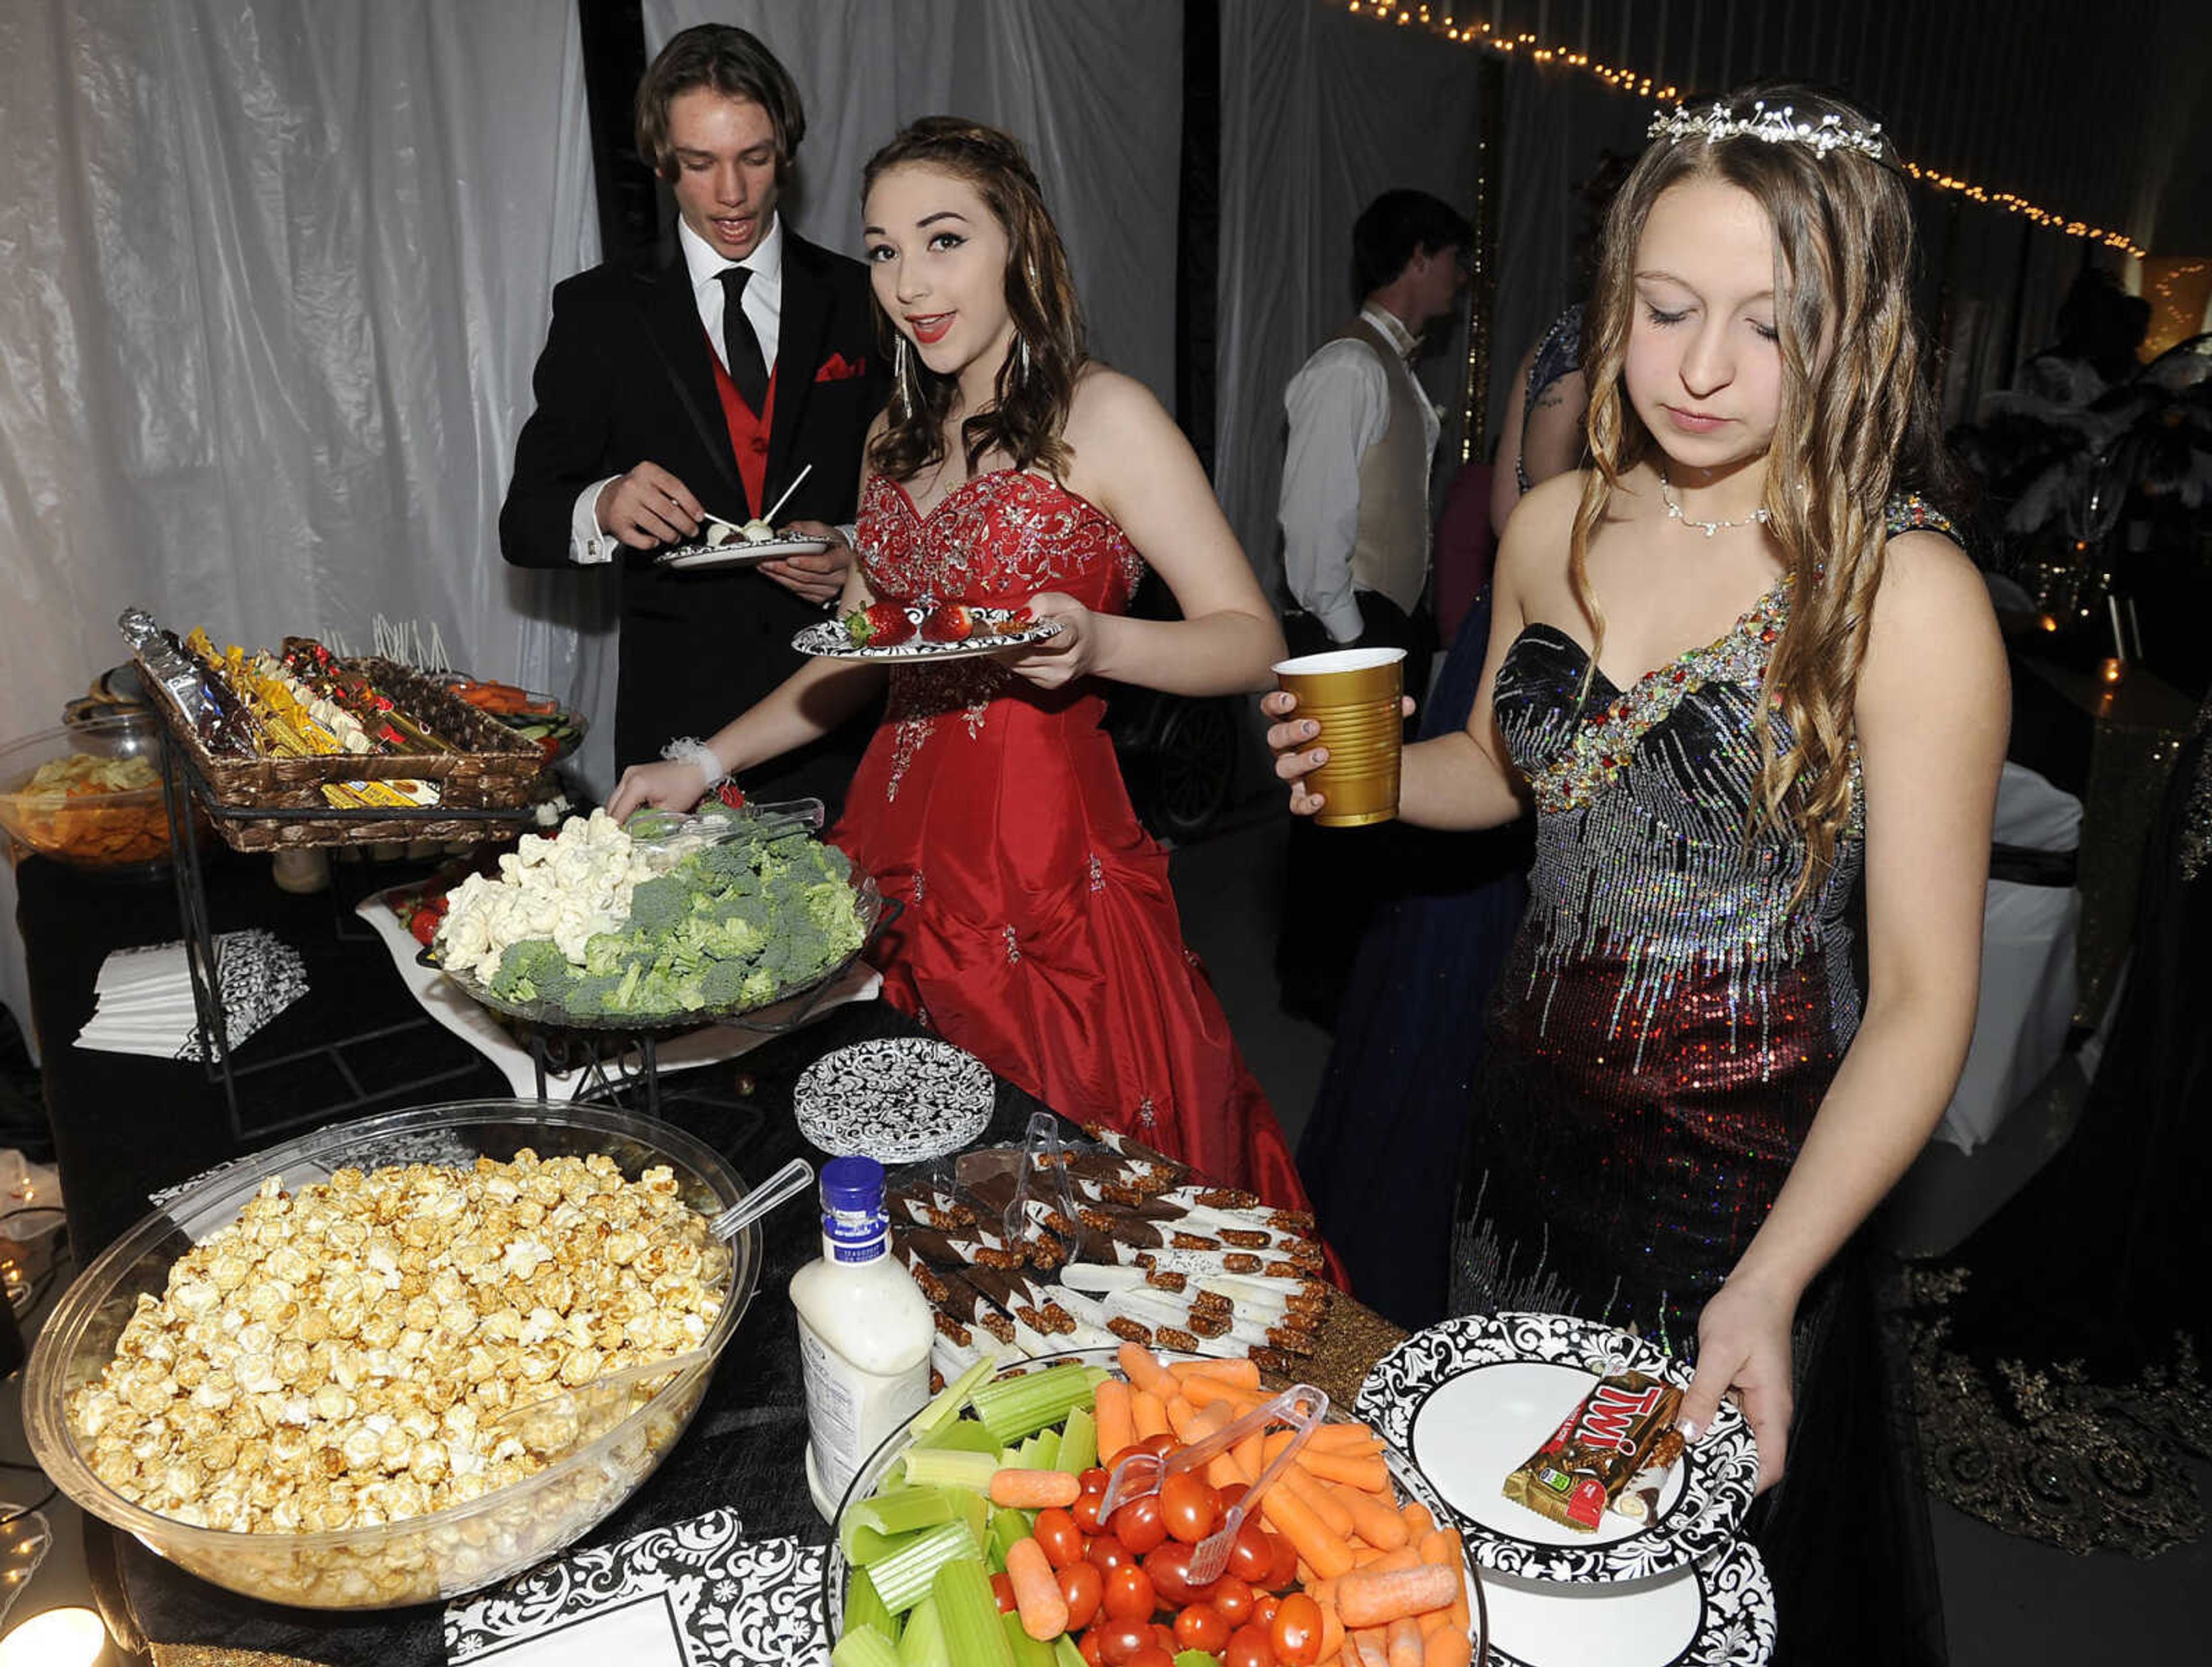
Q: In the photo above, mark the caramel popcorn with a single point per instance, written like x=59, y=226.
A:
x=338, y=1360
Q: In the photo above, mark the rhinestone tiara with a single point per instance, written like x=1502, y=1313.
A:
x=1779, y=126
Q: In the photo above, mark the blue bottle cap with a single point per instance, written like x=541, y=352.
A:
x=852, y=1184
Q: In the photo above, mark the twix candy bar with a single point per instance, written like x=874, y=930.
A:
x=1607, y=1440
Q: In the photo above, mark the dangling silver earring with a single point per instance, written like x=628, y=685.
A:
x=899, y=375
x=1023, y=353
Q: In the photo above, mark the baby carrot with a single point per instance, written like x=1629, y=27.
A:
x=1109, y=1406
x=1240, y=1374
x=1144, y=1370
x=1344, y=1438
x=1182, y=1416
x=1371, y=1519
x=1331, y=1632
x=1375, y=1598
x=1368, y=1641
x=1149, y=1415
x=1447, y=1648
x=1317, y=1543
x=1370, y=1475
x=1036, y=1591
x=1404, y=1647
x=1418, y=1520
x=1435, y=1547
x=1033, y=1490
x=1293, y=1479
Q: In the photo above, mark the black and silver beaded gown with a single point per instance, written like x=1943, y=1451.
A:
x=1664, y=1030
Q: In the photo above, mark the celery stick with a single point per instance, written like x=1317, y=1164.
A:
x=899, y=1512
x=951, y=1400
x=1066, y=1654
x=1016, y=1407
x=1078, y=1442
x=903, y=1579
x=863, y=1608
x=864, y=1646
x=1027, y=1651
x=961, y=1435
x=922, y=1643
x=1047, y=1456
x=938, y=1469
x=976, y=1509
x=1184, y=1658
x=1006, y=1527
x=969, y=1615
x=865, y=1547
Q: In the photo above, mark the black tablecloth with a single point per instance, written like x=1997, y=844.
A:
x=125, y=1124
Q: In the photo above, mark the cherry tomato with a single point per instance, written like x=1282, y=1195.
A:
x=1129, y=1594
x=1082, y=1588
x=1108, y=1553
x=1191, y=1509
x=1085, y=1512
x=1285, y=1570
x=1233, y=1597
x=1061, y=1540
x=1151, y=1655
x=1252, y=1553
x=1156, y=1444
x=1169, y=1568
x=1164, y=1637
x=1295, y=1632
x=1249, y=1647
x=1200, y=1627
x=1119, y=1639
x=1094, y=1480
x=1087, y=1646
x=1141, y=1525
x=1002, y=1588
x=1264, y=1605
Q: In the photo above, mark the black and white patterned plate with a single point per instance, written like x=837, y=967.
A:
x=1719, y=1614
x=736, y=552
x=830, y=640
x=898, y=1100
x=1471, y=1398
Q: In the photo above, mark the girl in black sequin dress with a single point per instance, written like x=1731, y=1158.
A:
x=1732, y=663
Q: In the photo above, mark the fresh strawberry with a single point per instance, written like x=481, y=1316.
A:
x=948, y=622
x=878, y=625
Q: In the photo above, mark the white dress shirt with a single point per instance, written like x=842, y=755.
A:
x=1339, y=404
x=764, y=305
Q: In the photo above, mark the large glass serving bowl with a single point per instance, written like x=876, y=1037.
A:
x=115, y=832
x=424, y=1558
x=1411, y=1485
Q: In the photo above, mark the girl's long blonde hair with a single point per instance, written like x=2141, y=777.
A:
x=1857, y=425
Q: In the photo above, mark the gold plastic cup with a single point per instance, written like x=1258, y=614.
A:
x=1353, y=695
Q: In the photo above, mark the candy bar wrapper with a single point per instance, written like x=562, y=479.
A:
x=1604, y=1442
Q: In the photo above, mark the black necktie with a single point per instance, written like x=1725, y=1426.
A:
x=740, y=347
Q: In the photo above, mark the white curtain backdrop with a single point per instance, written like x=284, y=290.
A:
x=1093, y=91
x=1320, y=113
x=275, y=277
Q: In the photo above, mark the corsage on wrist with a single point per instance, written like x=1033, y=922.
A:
x=690, y=750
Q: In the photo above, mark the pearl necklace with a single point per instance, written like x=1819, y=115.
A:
x=1757, y=518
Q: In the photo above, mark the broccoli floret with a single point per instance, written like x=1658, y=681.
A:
x=658, y=907
x=533, y=969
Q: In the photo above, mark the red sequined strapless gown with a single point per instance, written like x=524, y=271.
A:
x=1039, y=930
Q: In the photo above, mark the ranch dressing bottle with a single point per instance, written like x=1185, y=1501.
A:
x=864, y=1332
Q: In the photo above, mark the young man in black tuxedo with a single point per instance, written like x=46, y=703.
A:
x=706, y=385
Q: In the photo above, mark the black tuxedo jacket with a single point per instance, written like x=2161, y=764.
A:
x=628, y=376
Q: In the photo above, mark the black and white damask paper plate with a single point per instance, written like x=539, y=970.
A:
x=1471, y=1398
x=995, y=628
x=898, y=1100
x=1719, y=1614
x=738, y=552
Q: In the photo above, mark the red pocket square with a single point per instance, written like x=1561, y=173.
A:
x=838, y=369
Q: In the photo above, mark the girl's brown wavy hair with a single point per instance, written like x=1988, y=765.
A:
x=1857, y=425
x=1037, y=384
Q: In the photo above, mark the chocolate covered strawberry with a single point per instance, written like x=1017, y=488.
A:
x=878, y=625
x=948, y=622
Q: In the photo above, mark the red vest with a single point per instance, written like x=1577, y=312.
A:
x=749, y=431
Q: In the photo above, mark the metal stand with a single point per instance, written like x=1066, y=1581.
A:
x=183, y=789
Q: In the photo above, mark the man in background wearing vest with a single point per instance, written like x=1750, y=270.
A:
x=706, y=381
x=1356, y=532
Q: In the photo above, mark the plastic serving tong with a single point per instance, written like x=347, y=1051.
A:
x=1301, y=1406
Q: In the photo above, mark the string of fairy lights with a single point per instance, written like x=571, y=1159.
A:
x=1520, y=44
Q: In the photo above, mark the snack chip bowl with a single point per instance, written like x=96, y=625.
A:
x=421, y=1558
x=107, y=832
